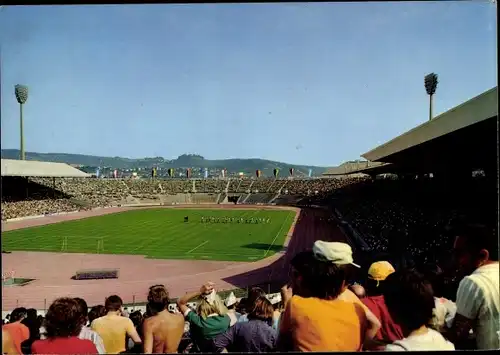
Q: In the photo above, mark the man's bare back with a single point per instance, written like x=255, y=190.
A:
x=163, y=332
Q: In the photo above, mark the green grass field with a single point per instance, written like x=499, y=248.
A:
x=161, y=233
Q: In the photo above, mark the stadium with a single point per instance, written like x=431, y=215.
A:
x=67, y=234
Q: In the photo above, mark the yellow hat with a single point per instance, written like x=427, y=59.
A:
x=379, y=270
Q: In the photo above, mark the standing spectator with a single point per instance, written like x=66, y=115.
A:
x=254, y=336
x=114, y=328
x=478, y=299
x=314, y=318
x=410, y=301
x=62, y=327
x=389, y=331
x=18, y=332
x=209, y=320
x=86, y=332
x=162, y=330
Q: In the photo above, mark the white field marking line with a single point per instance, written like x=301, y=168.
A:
x=199, y=246
x=276, y=237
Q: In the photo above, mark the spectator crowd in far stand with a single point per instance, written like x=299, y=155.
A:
x=318, y=311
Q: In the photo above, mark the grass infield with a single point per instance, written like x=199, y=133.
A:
x=161, y=233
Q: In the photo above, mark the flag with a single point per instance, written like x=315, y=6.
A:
x=188, y=173
x=276, y=172
x=291, y=171
x=224, y=172
x=115, y=173
x=206, y=173
x=258, y=173
x=171, y=172
x=97, y=172
x=310, y=172
x=153, y=173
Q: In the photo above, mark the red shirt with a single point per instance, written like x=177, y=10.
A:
x=70, y=346
x=389, y=331
x=18, y=333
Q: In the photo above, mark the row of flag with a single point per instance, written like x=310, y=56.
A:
x=204, y=171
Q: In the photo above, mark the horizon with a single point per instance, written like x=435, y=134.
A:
x=314, y=83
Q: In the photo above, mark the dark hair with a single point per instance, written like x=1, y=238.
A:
x=262, y=310
x=63, y=318
x=242, y=305
x=97, y=312
x=83, y=309
x=137, y=318
x=253, y=294
x=31, y=313
x=158, y=299
x=435, y=275
x=113, y=303
x=478, y=237
x=18, y=314
x=409, y=298
x=321, y=279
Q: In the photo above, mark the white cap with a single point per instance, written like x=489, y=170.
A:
x=335, y=252
x=275, y=299
x=210, y=298
x=230, y=300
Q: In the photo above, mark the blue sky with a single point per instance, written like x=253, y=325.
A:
x=311, y=83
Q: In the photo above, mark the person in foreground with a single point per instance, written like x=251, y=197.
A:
x=86, y=332
x=162, y=330
x=63, y=324
x=315, y=319
x=410, y=301
x=254, y=336
x=7, y=344
x=478, y=298
x=210, y=320
x=113, y=327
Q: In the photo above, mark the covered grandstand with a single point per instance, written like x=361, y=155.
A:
x=12, y=167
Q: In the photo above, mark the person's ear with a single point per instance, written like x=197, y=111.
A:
x=484, y=255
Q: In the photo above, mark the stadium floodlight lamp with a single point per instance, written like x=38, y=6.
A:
x=21, y=92
x=430, y=83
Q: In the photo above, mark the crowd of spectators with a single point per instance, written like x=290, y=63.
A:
x=320, y=309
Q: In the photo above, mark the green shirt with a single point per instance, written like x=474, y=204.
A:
x=207, y=328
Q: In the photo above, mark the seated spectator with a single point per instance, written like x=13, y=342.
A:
x=33, y=324
x=241, y=306
x=63, y=323
x=230, y=303
x=389, y=331
x=8, y=346
x=162, y=330
x=314, y=318
x=410, y=301
x=478, y=299
x=137, y=319
x=445, y=310
x=210, y=319
x=96, y=312
x=254, y=336
x=86, y=332
x=17, y=330
x=114, y=328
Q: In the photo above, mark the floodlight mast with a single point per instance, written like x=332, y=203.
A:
x=21, y=92
x=430, y=82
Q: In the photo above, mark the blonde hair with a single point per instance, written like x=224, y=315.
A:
x=217, y=307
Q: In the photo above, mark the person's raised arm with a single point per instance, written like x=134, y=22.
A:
x=182, y=302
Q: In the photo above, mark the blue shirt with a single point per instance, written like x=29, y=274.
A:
x=254, y=336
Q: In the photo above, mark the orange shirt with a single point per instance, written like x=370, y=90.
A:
x=313, y=324
x=18, y=333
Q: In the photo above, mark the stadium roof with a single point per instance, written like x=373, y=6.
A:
x=39, y=168
x=351, y=167
x=462, y=138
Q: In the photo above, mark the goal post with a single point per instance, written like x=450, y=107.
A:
x=64, y=246
x=100, y=245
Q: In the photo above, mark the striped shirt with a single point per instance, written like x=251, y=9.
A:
x=478, y=299
x=89, y=334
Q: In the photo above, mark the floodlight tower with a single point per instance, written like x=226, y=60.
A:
x=21, y=96
x=430, y=81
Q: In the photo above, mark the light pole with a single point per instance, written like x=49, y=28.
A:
x=430, y=81
x=21, y=96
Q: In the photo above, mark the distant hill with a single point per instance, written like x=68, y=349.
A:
x=247, y=166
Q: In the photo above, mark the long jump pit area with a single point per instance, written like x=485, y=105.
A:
x=179, y=246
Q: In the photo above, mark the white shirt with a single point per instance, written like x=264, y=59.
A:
x=478, y=299
x=443, y=313
x=89, y=334
x=431, y=340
